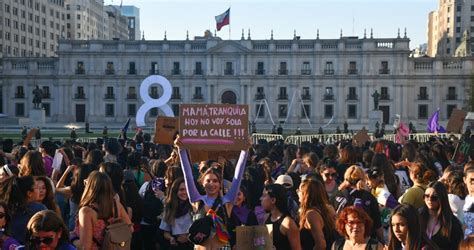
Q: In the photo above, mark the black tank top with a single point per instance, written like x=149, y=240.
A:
x=306, y=238
x=280, y=241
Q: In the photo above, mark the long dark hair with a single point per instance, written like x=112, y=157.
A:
x=46, y=221
x=77, y=184
x=14, y=191
x=114, y=171
x=414, y=234
x=315, y=197
x=49, y=200
x=279, y=192
x=444, y=213
x=172, y=202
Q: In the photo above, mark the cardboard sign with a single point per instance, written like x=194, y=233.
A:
x=213, y=127
x=165, y=129
x=463, y=150
x=255, y=237
x=29, y=136
x=201, y=155
x=361, y=137
x=456, y=121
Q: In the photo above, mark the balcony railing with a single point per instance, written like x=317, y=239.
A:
x=259, y=96
x=109, y=71
x=282, y=96
x=109, y=96
x=19, y=95
x=329, y=72
x=197, y=97
x=306, y=72
x=328, y=97
x=132, y=71
x=46, y=95
x=260, y=72
x=451, y=97
x=384, y=71
x=176, y=96
x=154, y=72
x=352, y=97
x=198, y=72
x=306, y=97
x=80, y=96
x=228, y=72
x=283, y=72
x=176, y=72
x=384, y=97
x=132, y=96
x=80, y=71
x=423, y=97
x=352, y=72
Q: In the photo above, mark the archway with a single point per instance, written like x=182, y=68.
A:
x=229, y=97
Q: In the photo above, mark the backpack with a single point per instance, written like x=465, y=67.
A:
x=117, y=235
x=152, y=206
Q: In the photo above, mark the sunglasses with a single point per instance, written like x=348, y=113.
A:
x=38, y=240
x=330, y=175
x=431, y=197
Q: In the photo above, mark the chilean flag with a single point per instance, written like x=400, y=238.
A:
x=223, y=19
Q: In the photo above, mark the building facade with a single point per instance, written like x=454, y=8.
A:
x=447, y=25
x=118, y=24
x=133, y=15
x=305, y=83
x=31, y=28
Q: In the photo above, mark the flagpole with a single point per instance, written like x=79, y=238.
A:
x=229, y=22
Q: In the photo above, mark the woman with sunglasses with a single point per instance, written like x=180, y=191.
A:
x=285, y=231
x=328, y=171
x=6, y=242
x=405, y=232
x=212, y=182
x=437, y=219
x=316, y=215
x=47, y=231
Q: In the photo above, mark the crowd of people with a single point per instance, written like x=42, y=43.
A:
x=382, y=195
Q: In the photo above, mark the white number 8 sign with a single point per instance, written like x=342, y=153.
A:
x=149, y=103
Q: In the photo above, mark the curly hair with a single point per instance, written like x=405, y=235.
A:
x=357, y=212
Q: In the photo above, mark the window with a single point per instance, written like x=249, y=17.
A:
x=154, y=112
x=329, y=69
x=197, y=93
x=282, y=110
x=423, y=95
x=448, y=51
x=110, y=68
x=283, y=69
x=131, y=109
x=198, y=68
x=282, y=95
x=458, y=19
x=109, y=110
x=19, y=92
x=352, y=111
x=19, y=109
x=451, y=93
x=46, y=94
x=328, y=111
x=175, y=108
x=422, y=111
x=131, y=68
x=352, y=93
x=260, y=68
x=154, y=68
x=449, y=109
x=80, y=93
x=78, y=17
x=154, y=92
x=176, y=69
x=228, y=69
x=260, y=110
x=80, y=68
x=384, y=93
x=305, y=111
x=305, y=94
x=384, y=68
x=458, y=29
x=306, y=69
x=458, y=8
x=328, y=94
x=110, y=93
x=47, y=109
x=132, y=94
x=352, y=68
x=176, y=94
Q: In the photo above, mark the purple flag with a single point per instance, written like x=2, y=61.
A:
x=433, y=125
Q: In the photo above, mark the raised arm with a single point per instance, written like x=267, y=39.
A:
x=193, y=193
x=239, y=172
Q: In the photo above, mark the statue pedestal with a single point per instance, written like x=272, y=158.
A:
x=374, y=117
x=37, y=117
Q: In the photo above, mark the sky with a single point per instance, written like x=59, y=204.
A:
x=385, y=17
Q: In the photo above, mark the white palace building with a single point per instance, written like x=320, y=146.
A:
x=295, y=82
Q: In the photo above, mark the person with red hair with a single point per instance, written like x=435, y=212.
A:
x=355, y=225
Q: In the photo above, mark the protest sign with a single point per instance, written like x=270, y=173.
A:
x=456, y=121
x=255, y=237
x=463, y=150
x=165, y=129
x=361, y=137
x=213, y=127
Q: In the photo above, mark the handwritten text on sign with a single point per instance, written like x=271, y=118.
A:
x=212, y=126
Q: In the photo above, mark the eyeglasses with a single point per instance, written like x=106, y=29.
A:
x=431, y=197
x=38, y=240
x=333, y=175
x=2, y=215
x=352, y=223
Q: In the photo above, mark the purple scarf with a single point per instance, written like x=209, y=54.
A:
x=242, y=214
x=183, y=208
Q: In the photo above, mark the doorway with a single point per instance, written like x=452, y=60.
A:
x=229, y=97
x=80, y=112
x=386, y=114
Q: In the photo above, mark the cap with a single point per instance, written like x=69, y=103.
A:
x=285, y=180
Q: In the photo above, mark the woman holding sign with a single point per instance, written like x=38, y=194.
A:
x=221, y=205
